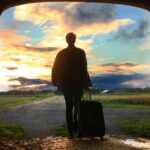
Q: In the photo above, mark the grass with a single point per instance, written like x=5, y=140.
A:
x=127, y=101
x=12, y=131
x=137, y=127
x=62, y=130
x=9, y=101
x=140, y=101
x=125, y=106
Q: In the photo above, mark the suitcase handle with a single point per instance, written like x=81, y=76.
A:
x=90, y=95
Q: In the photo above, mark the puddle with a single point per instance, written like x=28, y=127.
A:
x=139, y=143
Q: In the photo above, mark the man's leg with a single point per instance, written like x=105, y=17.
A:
x=78, y=96
x=69, y=111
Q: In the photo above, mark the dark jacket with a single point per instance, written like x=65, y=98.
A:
x=70, y=69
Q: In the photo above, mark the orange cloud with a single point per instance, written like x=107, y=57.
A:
x=10, y=36
x=35, y=49
x=102, y=28
x=55, y=35
x=119, y=68
x=29, y=52
x=40, y=13
x=24, y=61
x=61, y=22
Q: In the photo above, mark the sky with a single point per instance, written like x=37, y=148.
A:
x=116, y=39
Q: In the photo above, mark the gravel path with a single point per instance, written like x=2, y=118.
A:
x=39, y=119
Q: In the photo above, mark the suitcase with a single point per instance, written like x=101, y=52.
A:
x=90, y=119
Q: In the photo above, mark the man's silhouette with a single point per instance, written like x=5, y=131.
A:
x=69, y=74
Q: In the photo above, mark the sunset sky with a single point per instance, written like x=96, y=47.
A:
x=116, y=40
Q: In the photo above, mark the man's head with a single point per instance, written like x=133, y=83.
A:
x=70, y=38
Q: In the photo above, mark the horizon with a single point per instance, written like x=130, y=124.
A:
x=116, y=42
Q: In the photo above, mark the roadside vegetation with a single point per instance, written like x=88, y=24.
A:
x=109, y=100
x=12, y=131
x=136, y=127
x=124, y=100
x=61, y=130
x=13, y=99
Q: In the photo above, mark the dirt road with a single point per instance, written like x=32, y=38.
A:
x=39, y=119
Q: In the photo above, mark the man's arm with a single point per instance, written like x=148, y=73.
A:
x=86, y=79
x=55, y=70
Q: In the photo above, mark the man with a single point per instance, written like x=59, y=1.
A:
x=69, y=74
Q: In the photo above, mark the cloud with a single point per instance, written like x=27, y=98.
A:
x=4, y=84
x=29, y=69
x=26, y=67
x=127, y=64
x=14, y=24
x=35, y=49
x=41, y=13
x=141, y=31
x=31, y=84
x=11, y=68
x=57, y=19
x=30, y=49
x=11, y=37
x=105, y=81
x=146, y=44
x=68, y=15
x=15, y=59
x=27, y=60
x=58, y=32
x=102, y=28
x=121, y=81
x=48, y=65
x=119, y=68
x=26, y=81
x=58, y=40
x=85, y=14
x=20, y=53
x=73, y=14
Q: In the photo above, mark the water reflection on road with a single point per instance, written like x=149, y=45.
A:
x=139, y=143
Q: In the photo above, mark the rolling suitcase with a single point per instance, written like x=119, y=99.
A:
x=90, y=119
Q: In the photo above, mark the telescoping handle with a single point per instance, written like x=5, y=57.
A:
x=89, y=92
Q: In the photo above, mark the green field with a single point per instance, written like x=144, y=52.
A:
x=129, y=101
x=12, y=100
